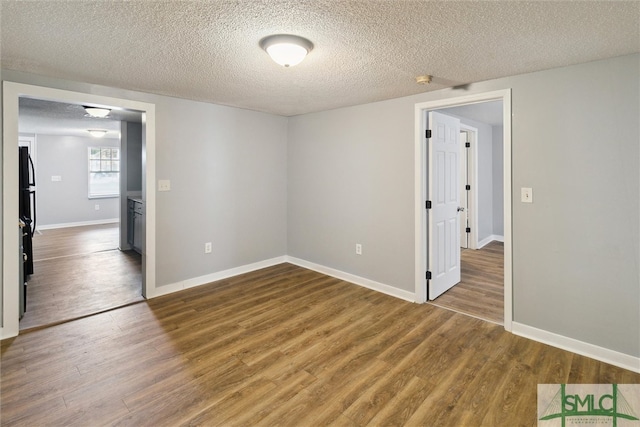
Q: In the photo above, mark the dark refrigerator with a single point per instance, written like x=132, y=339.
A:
x=27, y=213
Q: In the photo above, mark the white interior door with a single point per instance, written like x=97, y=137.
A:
x=444, y=194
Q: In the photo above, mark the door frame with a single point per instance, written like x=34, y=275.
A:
x=420, y=175
x=472, y=177
x=10, y=258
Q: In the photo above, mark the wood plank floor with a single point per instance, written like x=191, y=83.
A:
x=480, y=292
x=70, y=241
x=79, y=271
x=282, y=346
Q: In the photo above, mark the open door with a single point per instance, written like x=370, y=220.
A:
x=444, y=194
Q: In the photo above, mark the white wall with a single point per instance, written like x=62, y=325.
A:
x=67, y=202
x=345, y=176
x=575, y=249
x=228, y=173
x=351, y=181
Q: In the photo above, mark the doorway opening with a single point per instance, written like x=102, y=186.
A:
x=12, y=93
x=81, y=263
x=424, y=238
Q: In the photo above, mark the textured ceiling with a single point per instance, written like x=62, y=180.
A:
x=364, y=50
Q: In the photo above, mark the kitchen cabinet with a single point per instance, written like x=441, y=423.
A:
x=135, y=224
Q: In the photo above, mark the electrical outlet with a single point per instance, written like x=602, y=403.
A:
x=164, y=185
x=526, y=195
x=97, y=207
x=207, y=248
x=358, y=249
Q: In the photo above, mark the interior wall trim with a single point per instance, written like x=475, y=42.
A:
x=602, y=354
x=352, y=278
x=486, y=241
x=213, y=277
x=78, y=224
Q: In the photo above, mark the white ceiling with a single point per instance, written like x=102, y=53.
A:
x=485, y=112
x=54, y=118
x=364, y=51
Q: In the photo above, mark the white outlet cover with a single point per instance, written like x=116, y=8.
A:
x=526, y=195
x=164, y=185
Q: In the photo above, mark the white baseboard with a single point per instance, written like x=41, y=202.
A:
x=361, y=281
x=486, y=241
x=204, y=280
x=612, y=357
x=77, y=224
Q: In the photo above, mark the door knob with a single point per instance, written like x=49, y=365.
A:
x=460, y=209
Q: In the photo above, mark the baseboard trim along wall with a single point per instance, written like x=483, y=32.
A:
x=77, y=224
x=360, y=281
x=220, y=275
x=585, y=349
x=248, y=268
x=486, y=241
x=612, y=357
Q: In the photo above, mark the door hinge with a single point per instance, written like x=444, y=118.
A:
x=428, y=275
x=468, y=229
x=428, y=133
x=467, y=187
x=427, y=204
x=467, y=144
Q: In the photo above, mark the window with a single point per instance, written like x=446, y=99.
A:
x=104, y=172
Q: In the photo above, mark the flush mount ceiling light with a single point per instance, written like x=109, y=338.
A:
x=286, y=49
x=97, y=133
x=97, y=112
x=424, y=80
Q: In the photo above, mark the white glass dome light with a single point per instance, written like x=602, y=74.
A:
x=285, y=49
x=97, y=133
x=97, y=112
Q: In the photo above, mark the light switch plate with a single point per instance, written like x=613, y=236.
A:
x=56, y=178
x=526, y=195
x=164, y=185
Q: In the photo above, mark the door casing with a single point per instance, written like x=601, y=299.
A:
x=472, y=175
x=420, y=176
x=12, y=92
